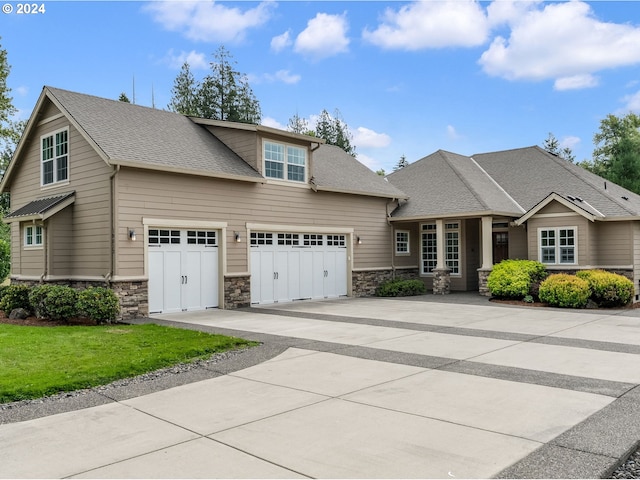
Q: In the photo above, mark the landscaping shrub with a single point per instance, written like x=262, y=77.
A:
x=37, y=297
x=15, y=296
x=562, y=290
x=60, y=302
x=401, y=288
x=99, y=304
x=5, y=259
x=608, y=289
x=516, y=278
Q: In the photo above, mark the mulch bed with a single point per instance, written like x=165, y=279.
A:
x=42, y=322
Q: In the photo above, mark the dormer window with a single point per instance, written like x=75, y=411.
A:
x=285, y=162
x=54, y=155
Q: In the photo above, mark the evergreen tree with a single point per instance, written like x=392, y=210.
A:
x=123, y=98
x=552, y=145
x=335, y=131
x=298, y=124
x=403, y=162
x=184, y=93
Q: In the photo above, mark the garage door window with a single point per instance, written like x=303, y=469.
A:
x=336, y=241
x=260, y=238
x=311, y=239
x=288, y=239
x=164, y=236
x=195, y=237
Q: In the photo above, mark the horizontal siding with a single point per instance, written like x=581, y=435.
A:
x=91, y=218
x=518, y=243
x=244, y=143
x=635, y=227
x=612, y=243
x=61, y=240
x=181, y=197
x=582, y=224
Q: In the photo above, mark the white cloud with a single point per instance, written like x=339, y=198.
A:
x=22, y=90
x=452, y=133
x=429, y=24
x=285, y=76
x=563, y=41
x=325, y=36
x=367, y=138
x=569, y=142
x=280, y=42
x=196, y=61
x=369, y=162
x=576, y=82
x=273, y=123
x=509, y=12
x=209, y=21
x=632, y=102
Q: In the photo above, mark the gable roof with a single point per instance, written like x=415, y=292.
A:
x=530, y=174
x=41, y=208
x=334, y=170
x=448, y=184
x=142, y=137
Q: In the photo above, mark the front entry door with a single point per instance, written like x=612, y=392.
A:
x=500, y=246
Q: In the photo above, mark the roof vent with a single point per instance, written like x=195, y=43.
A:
x=579, y=199
x=571, y=198
x=625, y=198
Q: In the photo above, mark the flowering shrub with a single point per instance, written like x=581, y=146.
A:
x=563, y=290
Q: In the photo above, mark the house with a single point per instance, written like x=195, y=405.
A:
x=523, y=203
x=177, y=213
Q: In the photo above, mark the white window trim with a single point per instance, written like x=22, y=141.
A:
x=55, y=182
x=422, y=232
x=33, y=245
x=458, y=231
x=285, y=164
x=407, y=242
x=557, y=245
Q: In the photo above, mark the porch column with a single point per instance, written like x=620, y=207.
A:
x=441, y=274
x=487, y=255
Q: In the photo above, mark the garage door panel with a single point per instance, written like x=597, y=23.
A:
x=209, y=278
x=172, y=284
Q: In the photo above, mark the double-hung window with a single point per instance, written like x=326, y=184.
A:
x=285, y=162
x=558, y=245
x=33, y=236
x=54, y=155
x=452, y=247
x=429, y=248
x=402, y=242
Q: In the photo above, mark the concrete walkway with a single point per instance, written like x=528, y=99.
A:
x=431, y=387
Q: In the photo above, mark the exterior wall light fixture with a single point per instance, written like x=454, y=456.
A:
x=132, y=235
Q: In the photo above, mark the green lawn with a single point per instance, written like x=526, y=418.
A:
x=39, y=361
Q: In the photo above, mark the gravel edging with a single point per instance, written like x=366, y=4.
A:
x=630, y=468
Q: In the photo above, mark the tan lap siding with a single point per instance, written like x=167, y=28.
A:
x=613, y=243
x=183, y=197
x=89, y=178
x=578, y=221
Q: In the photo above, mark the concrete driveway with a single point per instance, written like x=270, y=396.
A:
x=431, y=387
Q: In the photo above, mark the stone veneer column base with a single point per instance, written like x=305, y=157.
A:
x=441, y=281
x=365, y=282
x=237, y=292
x=483, y=276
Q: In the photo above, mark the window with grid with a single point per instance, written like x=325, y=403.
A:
x=201, y=237
x=452, y=247
x=558, y=245
x=429, y=248
x=261, y=238
x=288, y=239
x=163, y=237
x=402, y=242
x=285, y=162
x=54, y=155
x=312, y=239
x=336, y=240
x=33, y=236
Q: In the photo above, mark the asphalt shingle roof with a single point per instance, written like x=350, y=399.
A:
x=336, y=170
x=446, y=183
x=151, y=137
x=530, y=174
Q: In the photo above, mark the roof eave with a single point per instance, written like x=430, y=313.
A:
x=560, y=199
x=462, y=215
x=361, y=193
x=186, y=171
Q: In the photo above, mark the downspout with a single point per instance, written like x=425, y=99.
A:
x=112, y=216
x=45, y=252
x=393, y=264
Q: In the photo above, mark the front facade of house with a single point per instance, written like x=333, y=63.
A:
x=178, y=213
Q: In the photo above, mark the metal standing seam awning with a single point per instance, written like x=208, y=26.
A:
x=42, y=208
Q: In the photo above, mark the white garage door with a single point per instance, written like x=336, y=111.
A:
x=297, y=266
x=183, y=270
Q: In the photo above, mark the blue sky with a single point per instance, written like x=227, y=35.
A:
x=407, y=77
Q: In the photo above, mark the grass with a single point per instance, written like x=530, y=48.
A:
x=40, y=361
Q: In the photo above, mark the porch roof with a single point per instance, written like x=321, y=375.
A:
x=41, y=208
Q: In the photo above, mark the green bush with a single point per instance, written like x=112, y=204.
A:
x=15, y=296
x=516, y=278
x=37, y=297
x=563, y=290
x=5, y=259
x=608, y=289
x=99, y=304
x=60, y=302
x=401, y=288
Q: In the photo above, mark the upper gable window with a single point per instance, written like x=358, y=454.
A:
x=54, y=154
x=285, y=162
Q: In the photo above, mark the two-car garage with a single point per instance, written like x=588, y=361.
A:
x=184, y=274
